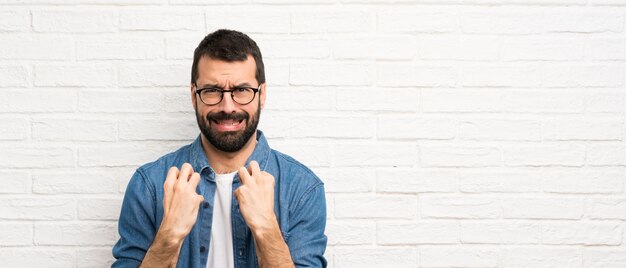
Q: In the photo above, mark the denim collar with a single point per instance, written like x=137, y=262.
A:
x=199, y=161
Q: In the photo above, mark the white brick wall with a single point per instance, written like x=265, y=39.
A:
x=453, y=133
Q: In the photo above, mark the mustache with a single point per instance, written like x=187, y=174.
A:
x=224, y=116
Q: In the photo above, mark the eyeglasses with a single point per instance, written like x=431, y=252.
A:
x=214, y=95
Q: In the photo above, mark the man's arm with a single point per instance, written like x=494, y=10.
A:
x=180, y=204
x=256, y=202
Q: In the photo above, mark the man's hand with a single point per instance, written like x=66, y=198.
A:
x=256, y=197
x=256, y=203
x=180, y=205
x=181, y=202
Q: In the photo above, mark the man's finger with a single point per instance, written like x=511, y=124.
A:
x=194, y=180
x=185, y=171
x=168, y=186
x=254, y=168
x=244, y=176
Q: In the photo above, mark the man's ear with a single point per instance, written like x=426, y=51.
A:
x=193, y=99
x=262, y=94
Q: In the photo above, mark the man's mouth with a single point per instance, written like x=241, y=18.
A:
x=228, y=124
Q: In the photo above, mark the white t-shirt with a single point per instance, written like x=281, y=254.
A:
x=221, y=246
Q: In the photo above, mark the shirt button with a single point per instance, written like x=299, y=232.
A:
x=202, y=249
x=205, y=204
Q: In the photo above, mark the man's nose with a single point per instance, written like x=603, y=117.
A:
x=227, y=104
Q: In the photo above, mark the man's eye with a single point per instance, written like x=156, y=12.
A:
x=242, y=89
x=210, y=90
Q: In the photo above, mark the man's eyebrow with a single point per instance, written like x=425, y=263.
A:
x=244, y=84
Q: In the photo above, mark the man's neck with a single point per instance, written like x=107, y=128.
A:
x=225, y=162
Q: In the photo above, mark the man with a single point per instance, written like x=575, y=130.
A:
x=227, y=199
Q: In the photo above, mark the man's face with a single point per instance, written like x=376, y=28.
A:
x=228, y=126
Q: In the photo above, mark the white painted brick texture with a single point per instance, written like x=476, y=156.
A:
x=478, y=133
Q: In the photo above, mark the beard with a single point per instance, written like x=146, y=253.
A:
x=229, y=141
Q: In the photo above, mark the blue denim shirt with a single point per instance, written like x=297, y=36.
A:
x=299, y=204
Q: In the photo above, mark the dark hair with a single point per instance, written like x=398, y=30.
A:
x=228, y=45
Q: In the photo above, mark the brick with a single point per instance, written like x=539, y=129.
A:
x=608, y=208
x=583, y=129
x=570, y=75
x=375, y=154
x=279, y=74
x=122, y=2
x=331, y=74
x=349, y=180
x=333, y=127
x=543, y=49
x=16, y=234
x=161, y=20
x=583, y=21
x=410, y=75
x=312, y=155
x=496, y=21
x=15, y=76
x=182, y=47
x=606, y=102
x=14, y=20
x=606, y=48
x=179, y=101
x=38, y=100
x=350, y=232
x=404, y=127
x=416, y=233
x=606, y=155
x=266, y=21
x=38, y=257
x=577, y=233
x=382, y=257
x=14, y=128
x=15, y=182
x=487, y=232
x=274, y=126
x=111, y=155
x=93, y=257
x=500, y=129
x=460, y=207
x=459, y=156
x=36, y=156
x=457, y=256
x=112, y=101
x=120, y=48
x=541, y=257
x=604, y=257
x=543, y=208
x=378, y=99
x=543, y=102
x=75, y=21
x=298, y=98
x=23, y=2
x=387, y=47
x=583, y=182
x=465, y=100
x=280, y=47
x=453, y=47
x=37, y=209
x=544, y=155
x=99, y=209
x=332, y=22
x=397, y=180
x=78, y=234
x=28, y=47
x=500, y=76
x=375, y=207
x=76, y=75
x=73, y=129
x=500, y=181
x=184, y=129
x=74, y=182
x=206, y=2
x=409, y=21
x=150, y=75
